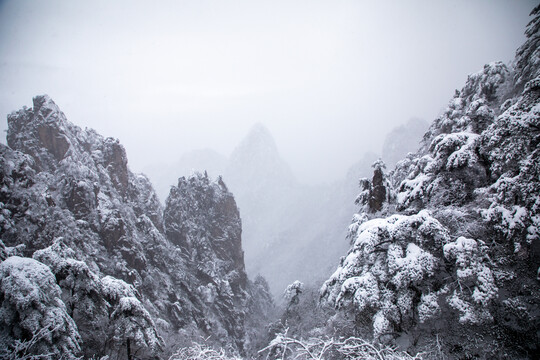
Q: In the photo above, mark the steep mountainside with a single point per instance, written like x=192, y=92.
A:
x=448, y=257
x=68, y=199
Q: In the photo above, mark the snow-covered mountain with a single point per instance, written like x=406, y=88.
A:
x=129, y=274
x=444, y=248
x=448, y=259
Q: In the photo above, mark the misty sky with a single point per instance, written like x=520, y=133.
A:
x=329, y=79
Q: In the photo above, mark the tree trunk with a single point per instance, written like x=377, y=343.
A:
x=128, y=344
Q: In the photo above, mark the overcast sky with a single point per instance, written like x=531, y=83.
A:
x=328, y=78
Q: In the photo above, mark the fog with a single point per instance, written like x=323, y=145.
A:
x=329, y=79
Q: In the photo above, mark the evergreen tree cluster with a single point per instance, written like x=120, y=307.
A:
x=451, y=258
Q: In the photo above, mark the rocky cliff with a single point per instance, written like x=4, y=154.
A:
x=62, y=187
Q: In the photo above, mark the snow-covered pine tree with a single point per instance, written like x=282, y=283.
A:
x=33, y=319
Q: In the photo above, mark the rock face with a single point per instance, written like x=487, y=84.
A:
x=186, y=261
x=201, y=215
x=201, y=218
x=454, y=254
x=378, y=191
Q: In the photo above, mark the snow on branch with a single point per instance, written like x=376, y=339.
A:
x=201, y=352
x=284, y=347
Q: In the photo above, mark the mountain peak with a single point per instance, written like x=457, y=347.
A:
x=44, y=103
x=258, y=138
x=259, y=129
x=42, y=131
x=43, y=111
x=256, y=158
